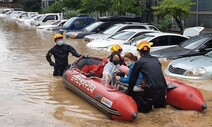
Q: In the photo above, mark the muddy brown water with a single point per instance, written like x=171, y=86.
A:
x=31, y=97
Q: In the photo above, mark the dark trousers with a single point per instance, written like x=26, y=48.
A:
x=150, y=99
x=58, y=70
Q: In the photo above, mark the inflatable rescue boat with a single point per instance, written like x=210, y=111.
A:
x=115, y=104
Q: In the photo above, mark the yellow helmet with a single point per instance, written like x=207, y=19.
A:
x=57, y=36
x=144, y=45
x=115, y=48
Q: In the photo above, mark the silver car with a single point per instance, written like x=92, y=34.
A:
x=195, y=67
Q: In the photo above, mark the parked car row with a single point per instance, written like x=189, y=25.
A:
x=192, y=59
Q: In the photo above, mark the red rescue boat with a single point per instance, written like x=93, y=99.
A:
x=115, y=104
x=181, y=95
x=184, y=97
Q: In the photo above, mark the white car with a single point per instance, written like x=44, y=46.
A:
x=116, y=28
x=54, y=26
x=48, y=18
x=157, y=40
x=119, y=38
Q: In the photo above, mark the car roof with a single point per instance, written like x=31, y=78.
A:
x=138, y=30
x=164, y=34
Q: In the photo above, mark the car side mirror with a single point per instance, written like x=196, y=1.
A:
x=132, y=39
x=151, y=43
x=202, y=48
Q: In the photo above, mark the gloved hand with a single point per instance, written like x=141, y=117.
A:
x=52, y=64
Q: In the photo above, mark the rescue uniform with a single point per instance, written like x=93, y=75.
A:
x=155, y=87
x=60, y=54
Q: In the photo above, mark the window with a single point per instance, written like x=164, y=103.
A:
x=160, y=41
x=133, y=27
x=50, y=17
x=176, y=40
x=193, y=42
x=104, y=26
x=208, y=44
x=80, y=22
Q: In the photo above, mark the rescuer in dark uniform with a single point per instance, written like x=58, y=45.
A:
x=155, y=87
x=60, y=52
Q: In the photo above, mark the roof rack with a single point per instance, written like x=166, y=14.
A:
x=120, y=18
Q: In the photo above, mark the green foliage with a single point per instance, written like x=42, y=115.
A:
x=163, y=24
x=31, y=5
x=71, y=4
x=54, y=8
x=178, y=9
x=90, y=6
x=124, y=6
x=175, y=8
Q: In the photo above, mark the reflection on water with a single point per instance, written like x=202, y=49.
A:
x=30, y=96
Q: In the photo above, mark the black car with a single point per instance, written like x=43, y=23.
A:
x=96, y=27
x=197, y=45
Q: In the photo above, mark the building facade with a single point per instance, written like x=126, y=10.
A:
x=46, y=3
x=201, y=14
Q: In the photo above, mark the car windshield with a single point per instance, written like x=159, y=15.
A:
x=193, y=42
x=68, y=23
x=140, y=37
x=209, y=54
x=92, y=26
x=123, y=35
x=112, y=29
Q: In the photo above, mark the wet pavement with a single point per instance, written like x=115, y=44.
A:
x=31, y=96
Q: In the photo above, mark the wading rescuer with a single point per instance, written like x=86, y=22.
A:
x=60, y=52
x=154, y=86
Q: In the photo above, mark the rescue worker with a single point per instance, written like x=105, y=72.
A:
x=60, y=52
x=155, y=87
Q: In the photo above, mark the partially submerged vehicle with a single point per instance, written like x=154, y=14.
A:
x=197, y=45
x=195, y=67
x=117, y=28
x=54, y=26
x=124, y=36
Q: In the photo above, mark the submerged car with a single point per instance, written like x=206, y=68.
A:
x=121, y=37
x=197, y=45
x=195, y=67
x=54, y=26
x=93, y=28
x=158, y=40
x=116, y=28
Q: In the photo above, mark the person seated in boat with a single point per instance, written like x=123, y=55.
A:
x=116, y=48
x=110, y=68
x=155, y=86
x=97, y=70
x=129, y=60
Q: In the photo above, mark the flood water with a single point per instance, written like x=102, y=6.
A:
x=31, y=97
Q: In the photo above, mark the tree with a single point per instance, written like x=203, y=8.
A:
x=124, y=6
x=71, y=4
x=90, y=6
x=178, y=9
x=56, y=7
x=31, y=5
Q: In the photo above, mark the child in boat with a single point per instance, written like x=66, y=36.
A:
x=111, y=67
x=129, y=60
